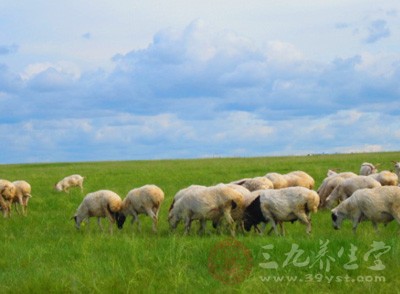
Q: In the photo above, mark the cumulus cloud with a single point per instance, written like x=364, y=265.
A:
x=197, y=92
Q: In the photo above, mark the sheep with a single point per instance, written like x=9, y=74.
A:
x=22, y=195
x=277, y=180
x=102, y=203
x=257, y=183
x=349, y=186
x=69, y=182
x=299, y=178
x=386, y=178
x=146, y=200
x=292, y=179
x=204, y=203
x=7, y=194
x=287, y=204
x=332, y=180
x=379, y=205
x=367, y=169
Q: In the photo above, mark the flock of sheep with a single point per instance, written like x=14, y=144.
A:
x=240, y=205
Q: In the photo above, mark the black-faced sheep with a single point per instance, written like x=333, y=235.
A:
x=100, y=204
x=69, y=182
x=287, y=204
x=379, y=205
x=143, y=200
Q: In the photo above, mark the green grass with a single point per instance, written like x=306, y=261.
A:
x=43, y=252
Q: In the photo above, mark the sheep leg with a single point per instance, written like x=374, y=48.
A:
x=304, y=219
x=99, y=224
x=188, y=223
x=230, y=222
x=202, y=228
x=151, y=213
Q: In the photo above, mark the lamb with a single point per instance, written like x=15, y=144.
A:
x=22, y=195
x=7, y=194
x=144, y=200
x=330, y=183
x=386, y=178
x=379, y=205
x=367, y=169
x=257, y=183
x=287, y=204
x=102, y=203
x=349, y=186
x=69, y=182
x=204, y=203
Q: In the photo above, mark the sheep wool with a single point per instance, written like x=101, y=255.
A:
x=69, y=182
x=7, y=194
x=22, y=195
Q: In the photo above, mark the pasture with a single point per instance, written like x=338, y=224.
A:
x=43, y=252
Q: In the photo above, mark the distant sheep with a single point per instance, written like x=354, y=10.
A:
x=367, y=169
x=277, y=180
x=204, y=203
x=299, y=179
x=397, y=168
x=100, y=204
x=277, y=206
x=257, y=183
x=7, y=194
x=330, y=183
x=22, y=195
x=143, y=200
x=386, y=178
x=69, y=182
x=345, y=189
x=379, y=205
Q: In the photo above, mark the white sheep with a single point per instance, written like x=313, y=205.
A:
x=299, y=179
x=277, y=206
x=100, y=204
x=69, y=182
x=204, y=203
x=144, y=200
x=277, y=180
x=346, y=188
x=386, y=178
x=7, y=194
x=367, y=169
x=257, y=183
x=332, y=180
x=397, y=168
x=379, y=205
x=22, y=195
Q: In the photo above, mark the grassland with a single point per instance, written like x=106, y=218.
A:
x=43, y=252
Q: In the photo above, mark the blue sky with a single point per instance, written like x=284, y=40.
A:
x=102, y=80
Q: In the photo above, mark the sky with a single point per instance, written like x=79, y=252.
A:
x=132, y=80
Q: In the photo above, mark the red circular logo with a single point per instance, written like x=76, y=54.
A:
x=230, y=262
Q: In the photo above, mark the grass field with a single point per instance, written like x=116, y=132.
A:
x=43, y=252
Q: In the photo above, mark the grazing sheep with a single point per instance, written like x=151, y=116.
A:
x=277, y=180
x=103, y=203
x=345, y=189
x=330, y=183
x=204, y=203
x=145, y=200
x=22, y=195
x=299, y=179
x=7, y=194
x=287, y=204
x=69, y=182
x=386, y=178
x=379, y=205
x=367, y=169
x=257, y=183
